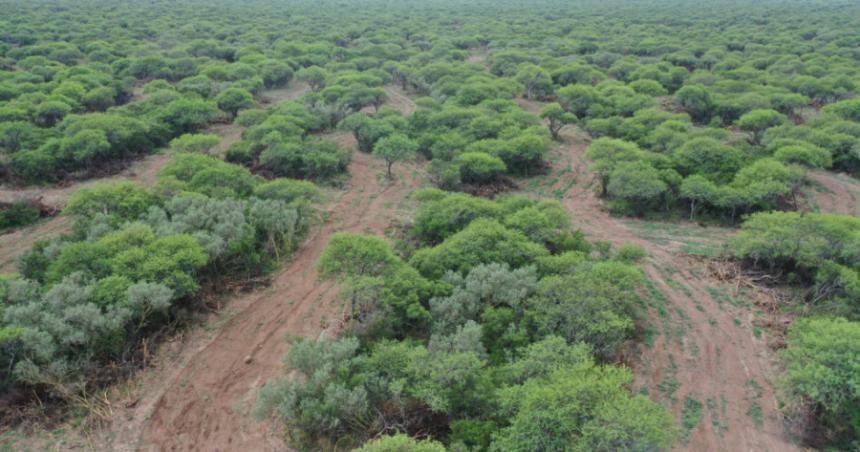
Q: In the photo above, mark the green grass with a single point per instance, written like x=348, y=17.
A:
x=716, y=423
x=670, y=383
x=692, y=414
x=753, y=396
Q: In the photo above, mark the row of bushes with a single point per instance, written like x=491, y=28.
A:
x=135, y=261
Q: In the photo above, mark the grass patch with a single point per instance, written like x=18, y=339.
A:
x=670, y=383
x=754, y=393
x=716, y=423
x=692, y=414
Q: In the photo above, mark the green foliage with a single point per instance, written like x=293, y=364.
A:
x=695, y=100
x=482, y=241
x=759, y=120
x=394, y=148
x=556, y=118
x=821, y=372
x=814, y=249
x=18, y=214
x=124, y=200
x=400, y=443
x=134, y=257
x=596, y=305
x=582, y=407
x=195, y=142
x=479, y=167
x=231, y=100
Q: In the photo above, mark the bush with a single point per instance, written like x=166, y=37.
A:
x=479, y=168
x=195, y=142
x=18, y=214
x=821, y=362
x=483, y=241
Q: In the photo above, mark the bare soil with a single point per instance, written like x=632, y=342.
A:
x=704, y=345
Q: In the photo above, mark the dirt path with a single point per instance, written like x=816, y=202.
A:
x=206, y=404
x=704, y=357
x=835, y=193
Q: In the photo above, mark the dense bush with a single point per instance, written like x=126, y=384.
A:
x=469, y=343
x=85, y=300
x=821, y=374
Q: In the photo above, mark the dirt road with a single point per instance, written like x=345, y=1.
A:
x=704, y=357
x=206, y=405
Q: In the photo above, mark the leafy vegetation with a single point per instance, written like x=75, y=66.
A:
x=495, y=334
x=815, y=251
x=75, y=317
x=492, y=325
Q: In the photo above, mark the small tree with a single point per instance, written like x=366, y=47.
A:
x=395, y=148
x=314, y=76
x=607, y=153
x=696, y=100
x=191, y=142
x=479, y=167
x=557, y=118
x=231, y=100
x=822, y=359
x=638, y=183
x=757, y=121
x=535, y=79
x=697, y=188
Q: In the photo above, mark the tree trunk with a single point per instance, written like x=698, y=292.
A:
x=692, y=208
x=390, y=162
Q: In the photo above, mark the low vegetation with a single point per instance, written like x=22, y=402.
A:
x=484, y=338
x=136, y=260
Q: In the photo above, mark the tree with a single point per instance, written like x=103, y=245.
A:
x=126, y=200
x=231, y=100
x=99, y=99
x=314, y=76
x=757, y=121
x=607, y=153
x=638, y=183
x=395, y=148
x=581, y=100
x=479, y=167
x=366, y=130
x=187, y=115
x=195, y=142
x=582, y=407
x=355, y=255
x=556, y=118
x=276, y=74
x=400, y=443
x=695, y=100
x=482, y=241
x=709, y=158
x=697, y=189
x=50, y=112
x=821, y=363
x=808, y=155
x=596, y=305
x=87, y=146
x=536, y=80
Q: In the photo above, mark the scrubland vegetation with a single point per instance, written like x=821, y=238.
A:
x=484, y=319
